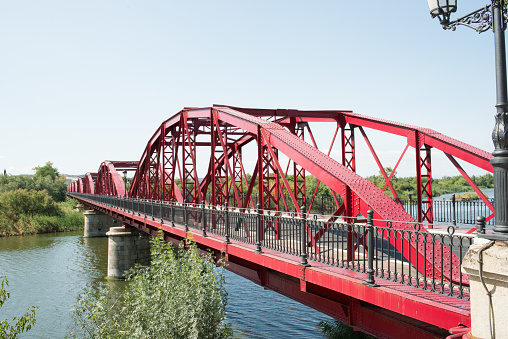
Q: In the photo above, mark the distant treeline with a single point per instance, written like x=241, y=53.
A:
x=407, y=185
x=403, y=186
x=36, y=204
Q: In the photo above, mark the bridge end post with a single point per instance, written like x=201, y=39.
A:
x=485, y=262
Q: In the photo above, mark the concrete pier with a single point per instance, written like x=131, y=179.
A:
x=126, y=247
x=97, y=224
x=487, y=263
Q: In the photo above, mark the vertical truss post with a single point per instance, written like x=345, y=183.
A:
x=424, y=182
x=190, y=181
x=168, y=167
x=350, y=200
x=271, y=186
x=261, y=190
x=237, y=179
x=218, y=164
x=225, y=184
x=298, y=171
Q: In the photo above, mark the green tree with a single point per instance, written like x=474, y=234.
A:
x=21, y=324
x=180, y=295
x=46, y=170
x=23, y=202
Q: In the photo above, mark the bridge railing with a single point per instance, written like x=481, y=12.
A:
x=452, y=211
x=336, y=243
x=447, y=211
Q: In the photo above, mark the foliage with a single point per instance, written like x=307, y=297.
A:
x=22, y=202
x=46, y=171
x=337, y=330
x=36, y=204
x=180, y=295
x=51, y=217
x=46, y=178
x=467, y=196
x=21, y=324
x=407, y=185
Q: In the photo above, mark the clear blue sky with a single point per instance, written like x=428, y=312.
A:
x=86, y=81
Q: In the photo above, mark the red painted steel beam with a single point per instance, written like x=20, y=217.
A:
x=388, y=311
x=334, y=175
x=461, y=150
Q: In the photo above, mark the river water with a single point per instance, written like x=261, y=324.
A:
x=50, y=270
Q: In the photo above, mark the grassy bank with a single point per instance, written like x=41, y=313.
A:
x=66, y=219
x=37, y=203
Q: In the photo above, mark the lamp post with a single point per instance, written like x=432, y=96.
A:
x=125, y=182
x=493, y=16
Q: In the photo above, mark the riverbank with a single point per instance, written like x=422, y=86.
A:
x=67, y=219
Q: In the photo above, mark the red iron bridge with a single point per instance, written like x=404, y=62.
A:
x=374, y=263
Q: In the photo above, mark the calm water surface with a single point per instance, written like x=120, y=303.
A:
x=50, y=270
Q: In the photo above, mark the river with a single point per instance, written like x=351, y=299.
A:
x=50, y=270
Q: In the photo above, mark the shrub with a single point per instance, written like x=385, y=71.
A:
x=180, y=295
x=21, y=324
x=22, y=202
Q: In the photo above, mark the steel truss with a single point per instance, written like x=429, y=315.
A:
x=168, y=168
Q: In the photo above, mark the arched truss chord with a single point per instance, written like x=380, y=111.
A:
x=89, y=183
x=109, y=180
x=79, y=185
x=421, y=139
x=167, y=169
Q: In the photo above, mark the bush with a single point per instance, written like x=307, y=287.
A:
x=180, y=295
x=21, y=324
x=22, y=202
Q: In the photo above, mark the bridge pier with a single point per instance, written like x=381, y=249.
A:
x=97, y=224
x=486, y=263
x=126, y=247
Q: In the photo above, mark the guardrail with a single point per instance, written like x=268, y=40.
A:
x=448, y=211
x=337, y=243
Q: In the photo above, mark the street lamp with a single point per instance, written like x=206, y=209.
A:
x=125, y=182
x=493, y=15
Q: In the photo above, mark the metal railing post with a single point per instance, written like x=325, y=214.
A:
x=226, y=218
x=303, y=238
x=203, y=218
x=173, y=213
x=370, y=250
x=480, y=225
x=454, y=219
x=153, y=216
x=258, y=228
x=185, y=216
x=410, y=205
